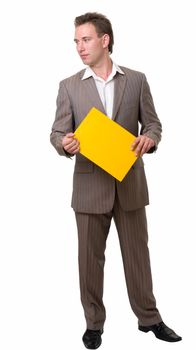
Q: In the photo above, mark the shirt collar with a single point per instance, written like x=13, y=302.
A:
x=89, y=72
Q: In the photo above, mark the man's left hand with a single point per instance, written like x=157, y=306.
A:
x=142, y=144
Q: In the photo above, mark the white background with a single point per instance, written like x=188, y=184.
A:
x=39, y=294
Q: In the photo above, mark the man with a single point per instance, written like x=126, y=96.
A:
x=123, y=95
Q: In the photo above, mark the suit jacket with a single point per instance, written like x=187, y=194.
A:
x=93, y=188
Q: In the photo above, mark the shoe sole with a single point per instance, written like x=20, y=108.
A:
x=95, y=347
x=145, y=330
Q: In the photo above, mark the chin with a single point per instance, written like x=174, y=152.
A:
x=87, y=62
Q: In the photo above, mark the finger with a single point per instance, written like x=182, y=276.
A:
x=76, y=150
x=135, y=143
x=69, y=144
x=73, y=147
x=66, y=141
x=145, y=148
x=67, y=138
x=148, y=146
x=70, y=134
x=139, y=146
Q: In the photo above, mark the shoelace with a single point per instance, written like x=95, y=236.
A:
x=162, y=327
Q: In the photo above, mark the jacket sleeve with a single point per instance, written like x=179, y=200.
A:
x=150, y=123
x=64, y=121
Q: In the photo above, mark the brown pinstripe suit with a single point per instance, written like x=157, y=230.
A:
x=96, y=192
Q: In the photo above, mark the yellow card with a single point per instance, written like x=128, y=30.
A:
x=106, y=143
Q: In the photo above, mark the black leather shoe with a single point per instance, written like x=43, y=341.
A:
x=92, y=338
x=162, y=332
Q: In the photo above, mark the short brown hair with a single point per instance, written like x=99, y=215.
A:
x=101, y=23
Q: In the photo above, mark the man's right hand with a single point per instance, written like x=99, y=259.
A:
x=70, y=144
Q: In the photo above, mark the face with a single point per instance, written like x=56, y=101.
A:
x=90, y=47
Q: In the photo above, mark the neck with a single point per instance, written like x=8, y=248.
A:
x=103, y=69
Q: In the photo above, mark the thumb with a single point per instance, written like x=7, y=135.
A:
x=70, y=134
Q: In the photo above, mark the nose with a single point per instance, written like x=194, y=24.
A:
x=80, y=46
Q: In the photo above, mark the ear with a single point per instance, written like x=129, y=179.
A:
x=105, y=40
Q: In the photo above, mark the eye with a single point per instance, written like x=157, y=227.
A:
x=86, y=39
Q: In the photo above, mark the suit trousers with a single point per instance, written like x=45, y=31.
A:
x=133, y=237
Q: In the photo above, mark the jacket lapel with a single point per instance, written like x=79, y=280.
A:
x=88, y=85
x=119, y=87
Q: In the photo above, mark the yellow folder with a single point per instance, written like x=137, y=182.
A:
x=106, y=143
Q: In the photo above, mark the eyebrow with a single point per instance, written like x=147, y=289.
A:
x=84, y=37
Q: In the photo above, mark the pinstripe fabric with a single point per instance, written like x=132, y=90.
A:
x=92, y=234
x=93, y=188
x=133, y=238
x=97, y=196
x=132, y=231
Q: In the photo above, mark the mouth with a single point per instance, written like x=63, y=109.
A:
x=83, y=57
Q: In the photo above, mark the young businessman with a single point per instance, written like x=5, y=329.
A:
x=124, y=96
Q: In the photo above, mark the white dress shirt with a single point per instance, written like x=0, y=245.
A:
x=105, y=87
